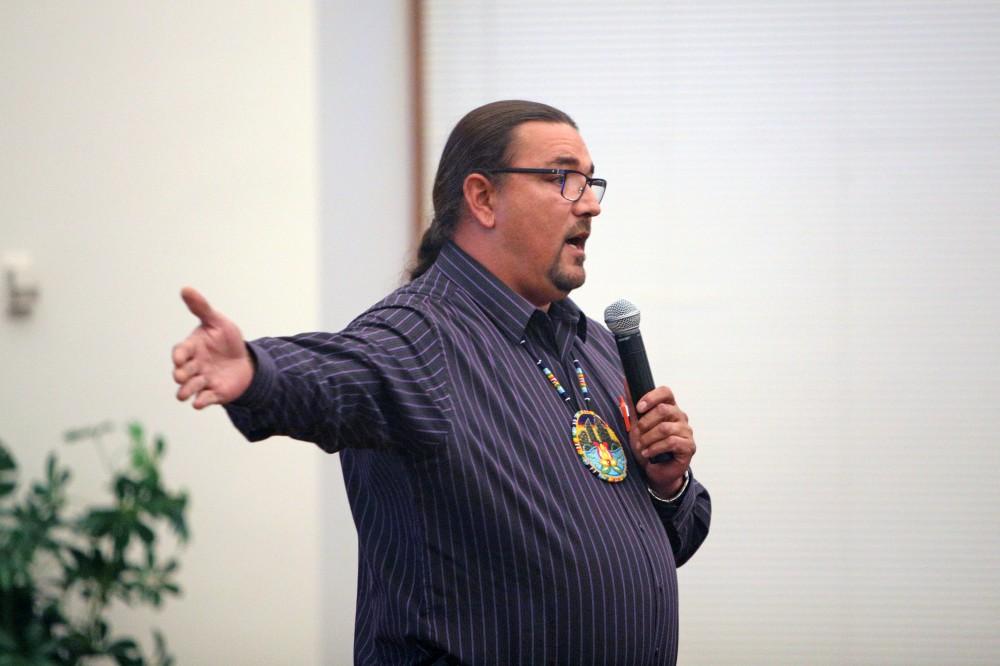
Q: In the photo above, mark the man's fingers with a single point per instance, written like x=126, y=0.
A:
x=191, y=387
x=664, y=430
x=198, y=305
x=655, y=397
x=185, y=372
x=659, y=413
x=679, y=446
x=182, y=353
x=206, y=398
x=196, y=387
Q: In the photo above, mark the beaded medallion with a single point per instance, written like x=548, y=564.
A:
x=598, y=446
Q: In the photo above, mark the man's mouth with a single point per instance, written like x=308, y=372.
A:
x=578, y=241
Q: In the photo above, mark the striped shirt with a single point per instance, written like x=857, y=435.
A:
x=483, y=537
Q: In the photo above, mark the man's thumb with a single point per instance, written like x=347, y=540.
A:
x=198, y=306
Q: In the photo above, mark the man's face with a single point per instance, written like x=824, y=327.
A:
x=542, y=233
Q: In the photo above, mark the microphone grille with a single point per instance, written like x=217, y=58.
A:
x=622, y=317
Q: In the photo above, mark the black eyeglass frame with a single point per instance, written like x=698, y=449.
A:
x=601, y=182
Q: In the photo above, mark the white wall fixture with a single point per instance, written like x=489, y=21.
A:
x=21, y=283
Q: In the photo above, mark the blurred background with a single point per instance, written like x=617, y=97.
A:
x=803, y=200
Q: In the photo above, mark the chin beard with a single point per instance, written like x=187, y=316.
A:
x=565, y=281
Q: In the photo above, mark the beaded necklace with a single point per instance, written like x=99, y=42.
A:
x=594, y=440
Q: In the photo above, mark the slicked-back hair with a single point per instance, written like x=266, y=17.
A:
x=481, y=139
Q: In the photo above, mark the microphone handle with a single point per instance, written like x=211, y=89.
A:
x=639, y=377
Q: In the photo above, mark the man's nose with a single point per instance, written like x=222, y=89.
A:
x=588, y=203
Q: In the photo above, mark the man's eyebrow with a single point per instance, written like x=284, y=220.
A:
x=571, y=162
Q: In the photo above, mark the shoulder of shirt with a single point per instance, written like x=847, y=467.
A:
x=424, y=297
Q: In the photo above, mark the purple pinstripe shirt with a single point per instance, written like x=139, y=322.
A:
x=483, y=537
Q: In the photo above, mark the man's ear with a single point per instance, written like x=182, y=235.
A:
x=479, y=199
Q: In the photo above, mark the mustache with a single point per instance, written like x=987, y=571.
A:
x=583, y=228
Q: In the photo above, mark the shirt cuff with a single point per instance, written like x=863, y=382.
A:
x=675, y=498
x=677, y=510
x=264, y=376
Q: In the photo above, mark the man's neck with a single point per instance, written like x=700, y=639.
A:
x=484, y=252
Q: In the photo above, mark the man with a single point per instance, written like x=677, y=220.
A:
x=479, y=415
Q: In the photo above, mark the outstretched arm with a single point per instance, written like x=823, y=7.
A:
x=380, y=382
x=212, y=363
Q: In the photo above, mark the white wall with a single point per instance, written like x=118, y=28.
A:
x=367, y=212
x=803, y=201
x=144, y=146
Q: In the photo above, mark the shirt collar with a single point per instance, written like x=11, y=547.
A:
x=510, y=312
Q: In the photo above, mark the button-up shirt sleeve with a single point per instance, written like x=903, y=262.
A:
x=350, y=389
x=687, y=521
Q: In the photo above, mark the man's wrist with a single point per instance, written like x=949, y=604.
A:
x=676, y=497
x=262, y=378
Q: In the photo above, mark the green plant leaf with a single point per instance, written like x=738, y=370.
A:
x=7, y=485
x=145, y=533
x=8, y=471
x=77, y=645
x=88, y=561
x=99, y=522
x=7, y=642
x=161, y=655
x=125, y=652
x=135, y=432
x=88, y=432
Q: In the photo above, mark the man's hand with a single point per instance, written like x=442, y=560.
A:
x=662, y=428
x=212, y=363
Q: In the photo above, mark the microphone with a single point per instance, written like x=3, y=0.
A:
x=622, y=318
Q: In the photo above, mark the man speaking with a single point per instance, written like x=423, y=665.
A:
x=507, y=510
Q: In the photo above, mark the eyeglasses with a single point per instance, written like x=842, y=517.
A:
x=571, y=182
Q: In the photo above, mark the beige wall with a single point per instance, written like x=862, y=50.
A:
x=144, y=146
x=365, y=132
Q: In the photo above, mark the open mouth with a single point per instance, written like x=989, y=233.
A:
x=578, y=241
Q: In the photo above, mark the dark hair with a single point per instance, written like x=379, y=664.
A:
x=481, y=139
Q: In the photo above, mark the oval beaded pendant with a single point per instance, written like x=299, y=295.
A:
x=598, y=446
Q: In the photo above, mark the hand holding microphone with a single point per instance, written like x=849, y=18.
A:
x=662, y=439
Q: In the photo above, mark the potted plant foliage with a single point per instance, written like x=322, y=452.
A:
x=59, y=572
